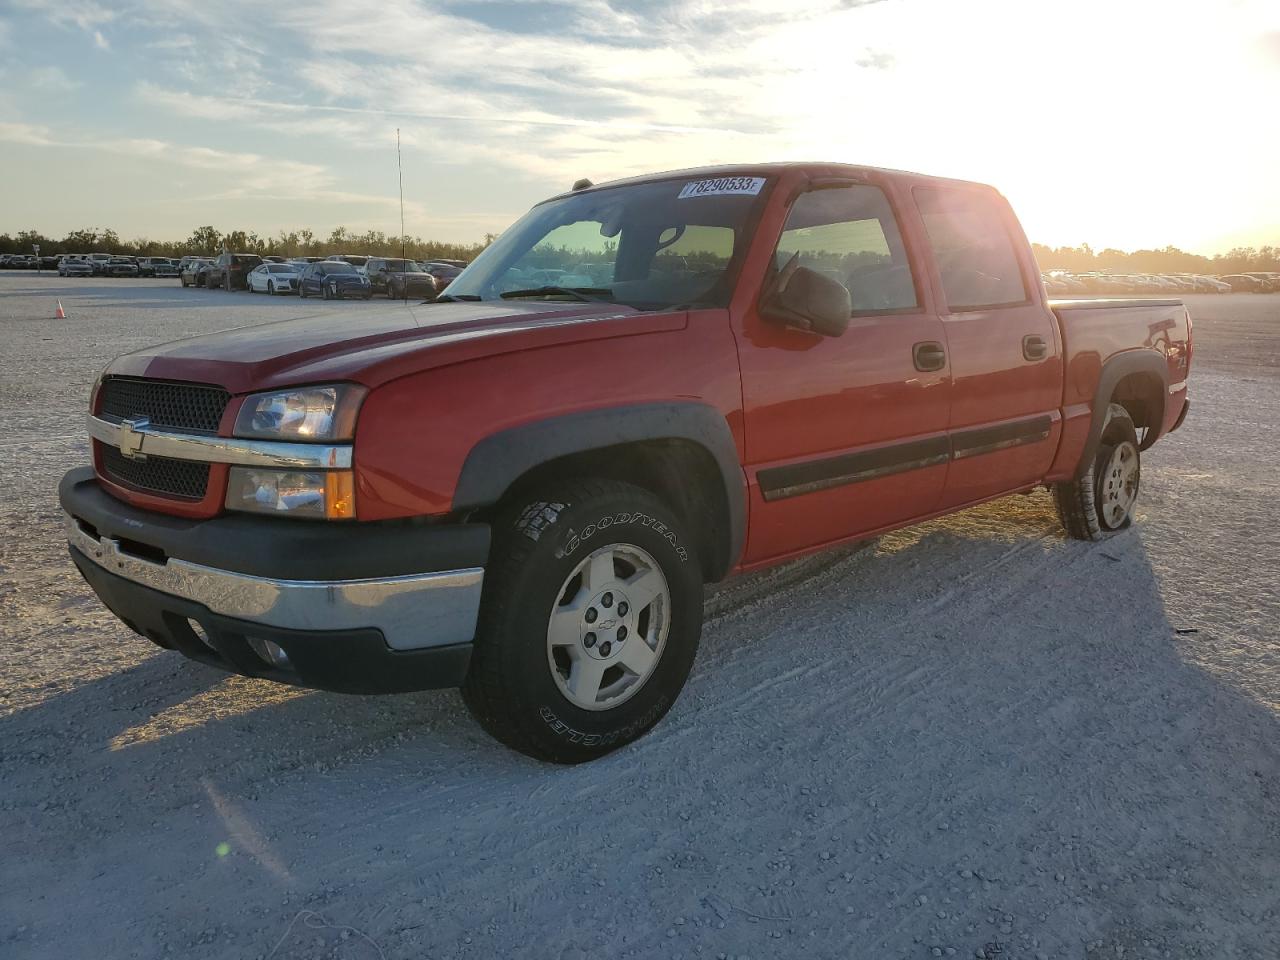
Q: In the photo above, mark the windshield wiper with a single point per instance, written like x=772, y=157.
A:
x=450, y=298
x=585, y=294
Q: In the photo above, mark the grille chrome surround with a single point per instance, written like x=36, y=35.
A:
x=160, y=476
x=149, y=442
x=190, y=407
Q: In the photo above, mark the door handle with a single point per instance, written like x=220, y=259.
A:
x=1034, y=347
x=929, y=356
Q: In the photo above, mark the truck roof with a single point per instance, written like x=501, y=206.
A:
x=812, y=167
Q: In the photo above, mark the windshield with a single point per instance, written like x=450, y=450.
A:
x=402, y=266
x=649, y=245
x=279, y=268
x=335, y=269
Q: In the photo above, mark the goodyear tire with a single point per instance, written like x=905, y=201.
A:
x=1101, y=502
x=590, y=622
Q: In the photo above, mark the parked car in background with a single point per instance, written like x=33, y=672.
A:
x=230, y=270
x=1270, y=281
x=273, y=278
x=164, y=267
x=191, y=270
x=273, y=259
x=460, y=264
x=49, y=262
x=305, y=260
x=78, y=266
x=147, y=265
x=415, y=283
x=332, y=280
x=65, y=261
x=120, y=267
x=98, y=261
x=406, y=274
x=442, y=272
x=20, y=261
x=1244, y=283
x=356, y=260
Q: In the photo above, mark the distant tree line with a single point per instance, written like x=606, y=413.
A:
x=1084, y=259
x=210, y=241
x=297, y=243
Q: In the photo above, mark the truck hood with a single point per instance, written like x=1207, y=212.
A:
x=376, y=343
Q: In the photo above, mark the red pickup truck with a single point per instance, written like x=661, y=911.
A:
x=639, y=388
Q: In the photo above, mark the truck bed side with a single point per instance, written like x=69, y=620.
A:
x=1135, y=351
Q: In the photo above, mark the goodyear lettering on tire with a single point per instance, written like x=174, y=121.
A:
x=576, y=539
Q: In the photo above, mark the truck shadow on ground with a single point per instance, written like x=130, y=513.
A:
x=973, y=732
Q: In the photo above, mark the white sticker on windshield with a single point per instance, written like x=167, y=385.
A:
x=721, y=186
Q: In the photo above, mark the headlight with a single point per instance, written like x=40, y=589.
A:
x=304, y=413
x=313, y=494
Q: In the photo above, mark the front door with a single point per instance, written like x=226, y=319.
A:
x=844, y=434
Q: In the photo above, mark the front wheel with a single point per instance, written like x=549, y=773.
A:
x=1101, y=502
x=590, y=622
x=271, y=288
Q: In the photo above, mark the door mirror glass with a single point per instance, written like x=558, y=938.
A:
x=808, y=300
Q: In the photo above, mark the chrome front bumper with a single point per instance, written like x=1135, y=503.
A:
x=412, y=612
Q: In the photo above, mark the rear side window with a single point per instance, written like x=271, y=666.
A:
x=972, y=247
x=850, y=234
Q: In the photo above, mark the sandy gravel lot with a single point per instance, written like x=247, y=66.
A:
x=971, y=738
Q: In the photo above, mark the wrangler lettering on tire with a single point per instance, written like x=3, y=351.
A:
x=590, y=622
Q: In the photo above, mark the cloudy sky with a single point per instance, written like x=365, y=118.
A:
x=1114, y=122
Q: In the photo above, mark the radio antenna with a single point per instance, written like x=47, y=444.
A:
x=400, y=171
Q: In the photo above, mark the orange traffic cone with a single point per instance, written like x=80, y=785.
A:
x=61, y=314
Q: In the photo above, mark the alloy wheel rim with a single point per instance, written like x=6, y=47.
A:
x=609, y=626
x=1120, y=484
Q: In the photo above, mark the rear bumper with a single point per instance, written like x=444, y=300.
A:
x=356, y=608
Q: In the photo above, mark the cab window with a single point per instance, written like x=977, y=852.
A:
x=850, y=234
x=971, y=244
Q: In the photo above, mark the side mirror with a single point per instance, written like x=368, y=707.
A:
x=808, y=300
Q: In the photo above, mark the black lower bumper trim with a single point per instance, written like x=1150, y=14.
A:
x=353, y=661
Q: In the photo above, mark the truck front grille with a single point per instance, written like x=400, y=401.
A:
x=180, y=479
x=193, y=407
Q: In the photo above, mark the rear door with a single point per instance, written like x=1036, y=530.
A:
x=844, y=434
x=1002, y=341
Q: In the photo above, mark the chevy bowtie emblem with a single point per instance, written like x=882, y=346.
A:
x=131, y=436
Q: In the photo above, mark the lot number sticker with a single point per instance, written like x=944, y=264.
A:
x=722, y=186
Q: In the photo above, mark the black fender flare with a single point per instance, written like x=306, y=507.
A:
x=498, y=460
x=1113, y=371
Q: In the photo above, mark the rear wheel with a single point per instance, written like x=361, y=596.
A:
x=1102, y=501
x=590, y=623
